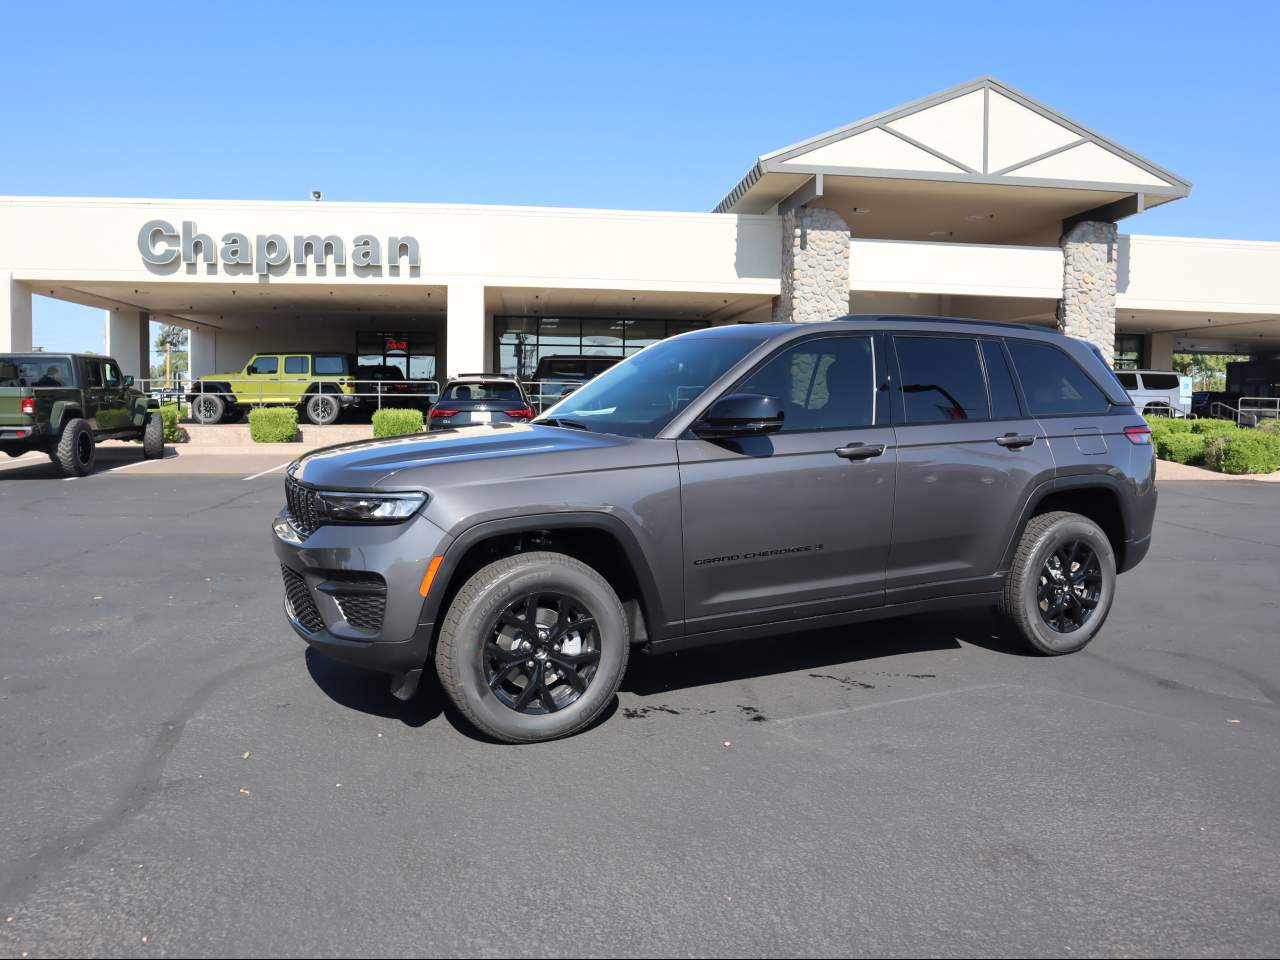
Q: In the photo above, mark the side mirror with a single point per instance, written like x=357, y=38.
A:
x=128, y=380
x=251, y=369
x=741, y=415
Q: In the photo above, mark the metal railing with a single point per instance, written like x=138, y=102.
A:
x=263, y=392
x=1249, y=412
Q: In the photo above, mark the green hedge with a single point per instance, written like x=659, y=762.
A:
x=396, y=422
x=173, y=432
x=1167, y=425
x=1214, y=428
x=1181, y=447
x=273, y=424
x=1250, y=451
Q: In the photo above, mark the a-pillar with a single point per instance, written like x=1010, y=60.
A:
x=815, y=266
x=1088, y=305
x=465, y=349
x=15, y=315
x=128, y=339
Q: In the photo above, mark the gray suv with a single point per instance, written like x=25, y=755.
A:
x=729, y=482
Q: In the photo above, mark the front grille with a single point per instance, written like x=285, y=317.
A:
x=301, y=605
x=362, y=610
x=301, y=502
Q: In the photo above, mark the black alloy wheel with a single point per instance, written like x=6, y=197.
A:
x=541, y=652
x=1070, y=586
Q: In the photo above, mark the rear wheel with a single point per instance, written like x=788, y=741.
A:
x=153, y=437
x=533, y=647
x=76, y=451
x=322, y=409
x=1061, y=584
x=208, y=408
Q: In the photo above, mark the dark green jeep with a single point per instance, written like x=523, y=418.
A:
x=64, y=403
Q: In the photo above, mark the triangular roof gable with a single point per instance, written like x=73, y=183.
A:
x=982, y=131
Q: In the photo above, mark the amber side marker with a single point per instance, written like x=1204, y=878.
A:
x=430, y=575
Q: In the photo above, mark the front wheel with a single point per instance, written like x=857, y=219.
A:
x=1061, y=584
x=208, y=408
x=322, y=409
x=153, y=437
x=533, y=647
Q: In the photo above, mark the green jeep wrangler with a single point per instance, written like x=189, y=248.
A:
x=321, y=384
x=64, y=403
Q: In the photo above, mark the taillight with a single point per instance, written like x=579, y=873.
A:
x=29, y=406
x=1139, y=436
x=438, y=412
x=523, y=413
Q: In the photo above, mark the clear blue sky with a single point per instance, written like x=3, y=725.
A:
x=649, y=106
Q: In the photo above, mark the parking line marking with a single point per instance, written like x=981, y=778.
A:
x=272, y=470
x=124, y=466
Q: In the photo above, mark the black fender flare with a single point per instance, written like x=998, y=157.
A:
x=1089, y=481
x=650, y=599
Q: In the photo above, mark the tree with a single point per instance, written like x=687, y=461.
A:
x=170, y=338
x=1208, y=371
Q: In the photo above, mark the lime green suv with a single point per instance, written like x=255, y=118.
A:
x=321, y=385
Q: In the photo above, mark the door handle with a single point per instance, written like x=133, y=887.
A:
x=860, y=451
x=1015, y=441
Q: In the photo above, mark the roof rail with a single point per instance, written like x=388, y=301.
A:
x=487, y=373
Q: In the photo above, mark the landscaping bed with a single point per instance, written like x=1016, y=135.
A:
x=1218, y=445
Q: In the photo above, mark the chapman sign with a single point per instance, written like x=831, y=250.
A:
x=161, y=245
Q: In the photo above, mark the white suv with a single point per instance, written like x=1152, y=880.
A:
x=1159, y=393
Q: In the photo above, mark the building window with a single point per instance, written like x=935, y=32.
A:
x=520, y=342
x=411, y=356
x=1129, y=351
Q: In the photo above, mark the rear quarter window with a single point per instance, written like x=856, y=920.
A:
x=1127, y=380
x=1160, y=381
x=1053, y=383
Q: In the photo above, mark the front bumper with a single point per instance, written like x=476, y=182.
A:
x=332, y=586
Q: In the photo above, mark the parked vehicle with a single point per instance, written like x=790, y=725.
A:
x=321, y=385
x=63, y=403
x=383, y=384
x=558, y=376
x=1158, y=393
x=729, y=482
x=480, y=398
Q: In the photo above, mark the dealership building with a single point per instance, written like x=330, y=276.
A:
x=975, y=202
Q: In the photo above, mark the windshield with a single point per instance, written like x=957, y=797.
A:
x=640, y=395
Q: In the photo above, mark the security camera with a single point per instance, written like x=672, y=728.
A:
x=317, y=195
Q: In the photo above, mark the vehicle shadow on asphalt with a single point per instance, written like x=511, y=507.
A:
x=369, y=692
x=747, y=659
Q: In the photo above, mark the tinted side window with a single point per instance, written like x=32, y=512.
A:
x=1127, y=380
x=941, y=379
x=267, y=364
x=330, y=366
x=823, y=384
x=1004, y=396
x=295, y=365
x=1053, y=383
x=93, y=372
x=112, y=374
x=1160, y=381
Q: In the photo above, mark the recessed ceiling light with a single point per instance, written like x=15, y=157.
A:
x=939, y=233
x=980, y=217
x=860, y=211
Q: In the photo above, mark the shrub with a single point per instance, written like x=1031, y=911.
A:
x=273, y=424
x=1213, y=451
x=1251, y=451
x=1165, y=425
x=173, y=432
x=396, y=422
x=1213, y=428
x=1181, y=447
x=1269, y=426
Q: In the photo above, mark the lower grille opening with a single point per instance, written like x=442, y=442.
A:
x=302, y=607
x=361, y=610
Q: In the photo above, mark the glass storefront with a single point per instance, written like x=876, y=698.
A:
x=413, y=354
x=520, y=342
x=1129, y=351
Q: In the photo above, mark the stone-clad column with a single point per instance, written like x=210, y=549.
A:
x=1088, y=305
x=815, y=266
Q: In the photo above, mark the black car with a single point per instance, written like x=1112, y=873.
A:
x=731, y=482
x=479, y=399
x=557, y=376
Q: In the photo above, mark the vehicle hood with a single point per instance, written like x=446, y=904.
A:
x=409, y=462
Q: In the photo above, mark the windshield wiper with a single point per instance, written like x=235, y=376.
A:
x=562, y=422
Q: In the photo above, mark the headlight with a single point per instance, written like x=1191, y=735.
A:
x=339, y=507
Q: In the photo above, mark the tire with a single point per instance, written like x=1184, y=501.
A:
x=208, y=408
x=322, y=409
x=1073, y=610
x=491, y=606
x=153, y=437
x=76, y=451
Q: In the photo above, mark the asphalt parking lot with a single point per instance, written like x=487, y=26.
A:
x=180, y=777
